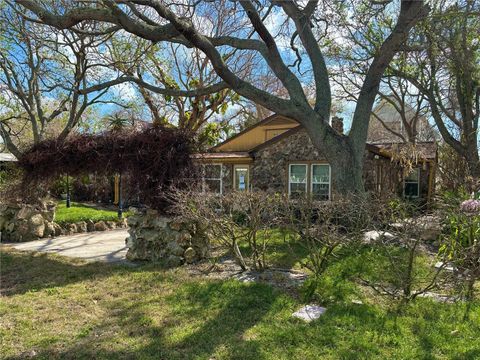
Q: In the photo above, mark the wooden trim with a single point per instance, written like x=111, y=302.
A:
x=419, y=172
x=276, y=138
x=226, y=160
x=260, y=123
x=329, y=178
x=279, y=129
x=234, y=188
x=309, y=164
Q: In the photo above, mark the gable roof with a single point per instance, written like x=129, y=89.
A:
x=253, y=135
x=4, y=157
x=426, y=150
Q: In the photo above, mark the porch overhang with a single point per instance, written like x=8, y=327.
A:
x=224, y=157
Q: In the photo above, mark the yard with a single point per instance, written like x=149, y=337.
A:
x=82, y=212
x=54, y=307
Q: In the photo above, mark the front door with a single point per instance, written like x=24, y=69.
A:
x=240, y=177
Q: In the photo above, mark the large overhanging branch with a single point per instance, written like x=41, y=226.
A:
x=310, y=43
x=273, y=57
x=186, y=28
x=411, y=12
x=156, y=89
x=177, y=30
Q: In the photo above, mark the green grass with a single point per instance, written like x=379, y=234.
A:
x=69, y=309
x=80, y=212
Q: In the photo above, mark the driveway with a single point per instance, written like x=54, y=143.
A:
x=107, y=246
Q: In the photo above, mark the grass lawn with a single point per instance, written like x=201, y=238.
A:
x=80, y=212
x=54, y=307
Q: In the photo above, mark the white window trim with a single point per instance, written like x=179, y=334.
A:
x=241, y=166
x=405, y=181
x=204, y=187
x=306, y=177
x=329, y=179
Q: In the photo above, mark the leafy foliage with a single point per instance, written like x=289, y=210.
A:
x=155, y=159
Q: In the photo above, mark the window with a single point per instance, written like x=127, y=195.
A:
x=240, y=173
x=320, y=181
x=297, y=180
x=411, y=184
x=212, y=178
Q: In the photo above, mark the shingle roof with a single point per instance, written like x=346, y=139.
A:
x=426, y=150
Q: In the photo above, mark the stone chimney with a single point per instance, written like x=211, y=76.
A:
x=337, y=124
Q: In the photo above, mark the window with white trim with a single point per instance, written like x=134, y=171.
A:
x=240, y=177
x=320, y=181
x=297, y=179
x=212, y=178
x=412, y=184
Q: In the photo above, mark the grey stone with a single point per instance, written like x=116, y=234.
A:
x=309, y=313
x=111, y=224
x=176, y=225
x=3, y=222
x=72, y=228
x=10, y=227
x=24, y=213
x=160, y=222
x=174, y=248
x=49, y=229
x=151, y=213
x=184, y=238
x=189, y=255
x=90, y=225
x=81, y=226
x=374, y=236
x=36, y=220
x=174, y=261
x=36, y=226
x=57, y=229
x=133, y=220
x=101, y=226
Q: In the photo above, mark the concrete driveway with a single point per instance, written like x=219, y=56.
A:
x=107, y=246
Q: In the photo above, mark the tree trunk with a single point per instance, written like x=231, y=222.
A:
x=346, y=161
x=347, y=173
x=473, y=161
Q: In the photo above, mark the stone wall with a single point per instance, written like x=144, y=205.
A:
x=159, y=238
x=269, y=171
x=22, y=222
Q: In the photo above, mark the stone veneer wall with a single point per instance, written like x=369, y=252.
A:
x=269, y=170
x=227, y=178
x=158, y=238
x=22, y=222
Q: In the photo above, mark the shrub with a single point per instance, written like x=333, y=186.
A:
x=461, y=246
x=155, y=158
x=409, y=271
x=324, y=227
x=233, y=219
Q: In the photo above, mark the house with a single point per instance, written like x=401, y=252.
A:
x=6, y=159
x=276, y=154
x=389, y=125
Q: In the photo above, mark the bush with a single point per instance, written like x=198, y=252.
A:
x=153, y=159
x=461, y=245
x=232, y=219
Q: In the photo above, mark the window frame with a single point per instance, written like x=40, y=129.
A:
x=329, y=179
x=204, y=178
x=306, y=177
x=405, y=182
x=241, y=166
